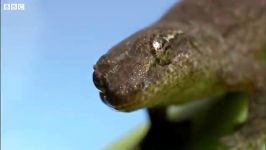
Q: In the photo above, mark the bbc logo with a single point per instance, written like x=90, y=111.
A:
x=14, y=7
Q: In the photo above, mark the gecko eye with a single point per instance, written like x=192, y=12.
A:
x=157, y=44
x=161, y=50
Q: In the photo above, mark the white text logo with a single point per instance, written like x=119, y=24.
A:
x=14, y=6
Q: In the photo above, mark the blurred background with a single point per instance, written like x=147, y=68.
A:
x=48, y=100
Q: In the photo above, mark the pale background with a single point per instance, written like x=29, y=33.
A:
x=48, y=100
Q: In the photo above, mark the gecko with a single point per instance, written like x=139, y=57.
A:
x=198, y=49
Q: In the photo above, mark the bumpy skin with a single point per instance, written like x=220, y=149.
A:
x=198, y=49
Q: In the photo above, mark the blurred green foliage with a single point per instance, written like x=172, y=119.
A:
x=221, y=119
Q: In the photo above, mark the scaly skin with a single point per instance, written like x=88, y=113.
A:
x=199, y=49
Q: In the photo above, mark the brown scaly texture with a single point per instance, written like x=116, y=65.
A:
x=198, y=49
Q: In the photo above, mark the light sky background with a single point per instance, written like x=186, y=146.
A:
x=48, y=100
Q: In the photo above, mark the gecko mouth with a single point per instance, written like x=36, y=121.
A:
x=107, y=96
x=101, y=86
x=122, y=102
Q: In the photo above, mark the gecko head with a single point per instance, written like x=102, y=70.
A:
x=142, y=69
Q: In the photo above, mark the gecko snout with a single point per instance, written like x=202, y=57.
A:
x=96, y=81
x=111, y=97
x=100, y=84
